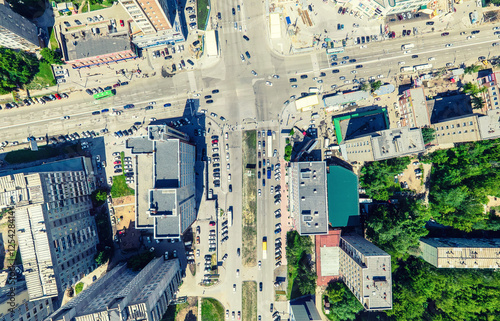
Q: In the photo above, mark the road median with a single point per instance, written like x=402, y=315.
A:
x=249, y=204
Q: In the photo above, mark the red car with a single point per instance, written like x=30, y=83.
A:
x=57, y=96
x=121, y=23
x=212, y=223
x=117, y=162
x=215, y=141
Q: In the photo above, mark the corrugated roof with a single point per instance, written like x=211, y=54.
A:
x=343, y=197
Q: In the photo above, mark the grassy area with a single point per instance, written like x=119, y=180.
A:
x=27, y=155
x=99, y=6
x=43, y=78
x=174, y=310
x=120, y=187
x=78, y=288
x=249, y=304
x=202, y=14
x=53, y=42
x=211, y=310
x=249, y=206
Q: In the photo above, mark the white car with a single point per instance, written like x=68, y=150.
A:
x=237, y=272
x=234, y=287
x=227, y=146
x=228, y=166
x=242, y=58
x=380, y=76
x=227, y=156
x=269, y=83
x=229, y=177
x=260, y=192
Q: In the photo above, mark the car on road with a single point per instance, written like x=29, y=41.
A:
x=233, y=11
x=353, y=71
x=210, y=101
x=247, y=54
x=254, y=73
x=414, y=56
x=260, y=286
x=303, y=76
x=242, y=58
x=268, y=83
x=246, y=38
x=429, y=23
x=448, y=45
x=341, y=78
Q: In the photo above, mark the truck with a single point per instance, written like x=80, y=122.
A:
x=407, y=46
x=230, y=216
x=406, y=69
x=264, y=247
x=326, y=142
x=269, y=143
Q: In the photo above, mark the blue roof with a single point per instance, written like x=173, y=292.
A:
x=343, y=197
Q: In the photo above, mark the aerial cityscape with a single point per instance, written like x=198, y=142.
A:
x=152, y=153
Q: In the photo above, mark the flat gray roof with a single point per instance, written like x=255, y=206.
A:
x=384, y=90
x=345, y=98
x=489, y=125
x=312, y=198
x=166, y=164
x=140, y=145
x=304, y=309
x=397, y=142
x=163, y=201
x=419, y=102
x=95, y=45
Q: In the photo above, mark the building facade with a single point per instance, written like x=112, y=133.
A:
x=366, y=271
x=491, y=95
x=461, y=253
x=382, y=8
x=413, y=109
x=166, y=201
x=122, y=294
x=308, y=201
x=457, y=130
x=57, y=234
x=23, y=309
x=17, y=32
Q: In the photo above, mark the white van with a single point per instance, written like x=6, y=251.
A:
x=313, y=90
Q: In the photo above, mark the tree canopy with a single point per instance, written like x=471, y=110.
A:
x=16, y=69
x=343, y=304
x=51, y=56
x=377, y=178
x=461, y=180
x=428, y=134
x=301, y=272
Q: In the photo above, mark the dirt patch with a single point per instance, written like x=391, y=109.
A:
x=188, y=311
x=249, y=304
x=124, y=200
x=249, y=207
x=493, y=204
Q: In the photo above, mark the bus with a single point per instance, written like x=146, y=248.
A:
x=331, y=51
x=407, y=46
x=264, y=247
x=422, y=67
x=104, y=94
x=406, y=69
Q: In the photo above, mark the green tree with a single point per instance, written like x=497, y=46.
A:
x=288, y=152
x=472, y=69
x=16, y=69
x=377, y=178
x=343, y=304
x=477, y=102
x=364, y=86
x=102, y=257
x=376, y=85
x=397, y=228
x=51, y=56
x=428, y=134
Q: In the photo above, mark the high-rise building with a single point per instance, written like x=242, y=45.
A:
x=158, y=20
x=366, y=271
x=57, y=235
x=165, y=191
x=122, y=294
x=461, y=253
x=308, y=202
x=16, y=32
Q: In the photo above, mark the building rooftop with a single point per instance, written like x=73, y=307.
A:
x=304, y=309
x=312, y=198
x=397, y=142
x=461, y=252
x=327, y=257
x=343, y=197
x=340, y=99
x=419, y=102
x=376, y=275
x=489, y=125
x=83, y=47
x=166, y=165
x=360, y=123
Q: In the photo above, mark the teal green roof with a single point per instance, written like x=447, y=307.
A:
x=343, y=197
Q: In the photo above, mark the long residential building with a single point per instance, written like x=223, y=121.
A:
x=461, y=253
x=122, y=294
x=165, y=192
x=17, y=32
x=366, y=271
x=56, y=233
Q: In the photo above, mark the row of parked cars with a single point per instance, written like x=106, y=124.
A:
x=35, y=100
x=126, y=132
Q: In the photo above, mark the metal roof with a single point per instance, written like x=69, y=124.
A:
x=343, y=197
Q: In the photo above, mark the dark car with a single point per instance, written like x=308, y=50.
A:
x=475, y=32
x=128, y=106
x=174, y=68
x=234, y=11
x=404, y=33
x=429, y=23
x=445, y=34
x=88, y=91
x=340, y=10
x=209, y=101
x=334, y=63
x=303, y=76
x=414, y=56
x=96, y=112
x=219, y=15
x=335, y=71
x=230, y=188
x=148, y=108
x=293, y=79
x=352, y=60
x=246, y=38
x=359, y=66
x=322, y=74
x=260, y=286
x=248, y=55
x=215, y=91
x=189, y=61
